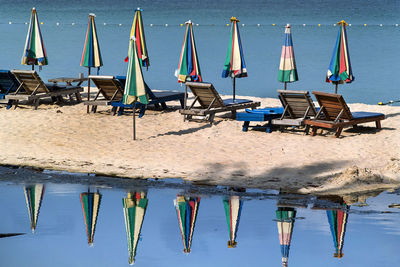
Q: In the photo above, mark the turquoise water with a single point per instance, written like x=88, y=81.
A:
x=373, y=49
x=371, y=234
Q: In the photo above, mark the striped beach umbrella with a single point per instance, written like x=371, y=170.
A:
x=137, y=31
x=287, y=67
x=189, y=68
x=34, y=196
x=135, y=89
x=90, y=206
x=338, y=221
x=91, y=56
x=134, y=205
x=34, y=52
x=186, y=209
x=233, y=209
x=234, y=66
x=339, y=70
x=285, y=220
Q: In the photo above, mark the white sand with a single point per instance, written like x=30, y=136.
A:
x=67, y=138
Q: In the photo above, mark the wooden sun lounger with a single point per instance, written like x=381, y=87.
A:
x=335, y=114
x=297, y=105
x=110, y=89
x=32, y=89
x=211, y=102
x=8, y=83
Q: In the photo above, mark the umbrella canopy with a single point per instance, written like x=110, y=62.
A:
x=189, y=68
x=186, y=209
x=137, y=31
x=285, y=220
x=337, y=222
x=34, y=52
x=287, y=67
x=34, y=196
x=91, y=56
x=339, y=70
x=135, y=205
x=233, y=209
x=90, y=206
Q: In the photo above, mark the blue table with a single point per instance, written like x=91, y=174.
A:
x=262, y=114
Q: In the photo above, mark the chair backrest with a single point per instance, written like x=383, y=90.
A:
x=108, y=86
x=8, y=82
x=206, y=93
x=332, y=105
x=30, y=81
x=298, y=104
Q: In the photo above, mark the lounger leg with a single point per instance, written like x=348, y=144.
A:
x=338, y=132
x=78, y=97
x=211, y=118
x=114, y=110
x=313, y=131
x=164, y=106
x=233, y=114
x=182, y=103
x=378, y=124
x=142, y=110
x=307, y=129
x=9, y=104
x=269, y=127
x=71, y=98
x=36, y=103
x=94, y=109
x=245, y=127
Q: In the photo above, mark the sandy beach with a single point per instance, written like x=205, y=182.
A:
x=67, y=138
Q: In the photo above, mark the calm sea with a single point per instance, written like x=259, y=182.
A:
x=373, y=48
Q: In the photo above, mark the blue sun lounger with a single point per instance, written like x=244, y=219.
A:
x=262, y=114
x=155, y=98
x=8, y=83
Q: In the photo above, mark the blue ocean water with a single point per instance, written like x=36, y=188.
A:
x=373, y=48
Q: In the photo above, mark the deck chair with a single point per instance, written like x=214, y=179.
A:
x=335, y=114
x=156, y=98
x=110, y=89
x=32, y=89
x=8, y=83
x=297, y=105
x=211, y=102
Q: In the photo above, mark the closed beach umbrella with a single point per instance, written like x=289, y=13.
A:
x=90, y=206
x=234, y=67
x=134, y=205
x=186, y=209
x=233, y=209
x=338, y=221
x=91, y=56
x=135, y=89
x=34, y=196
x=339, y=70
x=285, y=221
x=137, y=31
x=287, y=66
x=34, y=52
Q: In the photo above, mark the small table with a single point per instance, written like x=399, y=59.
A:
x=68, y=80
x=262, y=114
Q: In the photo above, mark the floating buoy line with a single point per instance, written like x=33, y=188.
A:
x=209, y=25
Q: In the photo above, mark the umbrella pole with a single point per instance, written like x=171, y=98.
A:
x=33, y=67
x=234, y=88
x=88, y=98
x=134, y=120
x=184, y=102
x=336, y=85
x=285, y=85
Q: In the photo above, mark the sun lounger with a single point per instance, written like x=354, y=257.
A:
x=32, y=89
x=211, y=102
x=261, y=114
x=335, y=114
x=110, y=89
x=8, y=83
x=156, y=98
x=297, y=105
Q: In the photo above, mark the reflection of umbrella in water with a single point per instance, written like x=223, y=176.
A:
x=233, y=209
x=34, y=196
x=285, y=220
x=10, y=235
x=135, y=205
x=34, y=52
x=90, y=205
x=338, y=221
x=186, y=209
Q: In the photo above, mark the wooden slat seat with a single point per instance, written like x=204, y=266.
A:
x=32, y=89
x=210, y=102
x=335, y=114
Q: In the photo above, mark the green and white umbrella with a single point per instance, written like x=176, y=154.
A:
x=34, y=52
x=135, y=89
